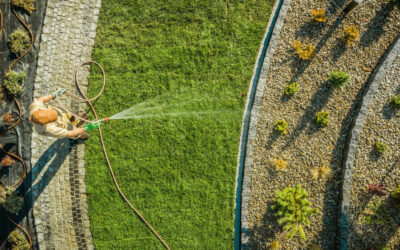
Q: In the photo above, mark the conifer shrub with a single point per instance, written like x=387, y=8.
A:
x=396, y=194
x=274, y=245
x=17, y=241
x=291, y=89
x=293, y=209
x=318, y=16
x=322, y=119
x=338, y=79
x=13, y=82
x=280, y=164
x=281, y=126
x=304, y=51
x=27, y=5
x=19, y=41
x=395, y=101
x=380, y=147
x=350, y=34
x=11, y=201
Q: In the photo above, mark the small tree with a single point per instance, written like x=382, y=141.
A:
x=293, y=208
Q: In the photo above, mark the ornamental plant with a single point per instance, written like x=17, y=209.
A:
x=291, y=89
x=11, y=201
x=376, y=189
x=304, y=51
x=338, y=79
x=13, y=82
x=350, y=34
x=7, y=161
x=380, y=147
x=274, y=245
x=395, y=101
x=19, y=41
x=322, y=119
x=281, y=126
x=293, y=208
x=280, y=164
x=318, y=16
x=7, y=118
x=25, y=4
x=17, y=240
x=396, y=194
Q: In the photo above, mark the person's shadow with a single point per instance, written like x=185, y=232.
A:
x=49, y=162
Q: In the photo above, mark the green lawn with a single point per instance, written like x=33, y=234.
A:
x=178, y=171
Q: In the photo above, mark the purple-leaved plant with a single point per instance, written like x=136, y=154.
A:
x=377, y=189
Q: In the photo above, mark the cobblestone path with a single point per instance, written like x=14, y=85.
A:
x=58, y=170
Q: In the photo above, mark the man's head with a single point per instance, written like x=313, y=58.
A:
x=43, y=117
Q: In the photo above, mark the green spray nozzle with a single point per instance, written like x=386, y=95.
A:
x=95, y=124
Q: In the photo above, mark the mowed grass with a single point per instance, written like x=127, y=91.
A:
x=178, y=171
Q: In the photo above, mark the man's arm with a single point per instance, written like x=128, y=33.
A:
x=75, y=132
x=45, y=98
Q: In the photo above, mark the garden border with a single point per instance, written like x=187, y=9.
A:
x=354, y=136
x=249, y=123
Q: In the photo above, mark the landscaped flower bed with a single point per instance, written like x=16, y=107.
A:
x=314, y=144
x=374, y=216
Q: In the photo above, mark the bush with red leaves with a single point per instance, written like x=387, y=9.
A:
x=377, y=189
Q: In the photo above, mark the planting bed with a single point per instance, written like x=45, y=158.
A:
x=374, y=219
x=305, y=146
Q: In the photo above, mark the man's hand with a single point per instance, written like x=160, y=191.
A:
x=92, y=125
x=58, y=92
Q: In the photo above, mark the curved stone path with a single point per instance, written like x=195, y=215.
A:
x=58, y=193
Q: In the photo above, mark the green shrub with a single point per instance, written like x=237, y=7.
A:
x=19, y=41
x=293, y=208
x=381, y=147
x=396, y=194
x=17, y=241
x=281, y=126
x=10, y=200
x=25, y=4
x=322, y=119
x=291, y=89
x=13, y=82
x=395, y=101
x=338, y=79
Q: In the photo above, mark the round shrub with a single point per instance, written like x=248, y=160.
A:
x=304, y=51
x=13, y=82
x=395, y=101
x=338, y=79
x=17, y=240
x=281, y=126
x=19, y=41
x=380, y=147
x=25, y=4
x=291, y=89
x=319, y=15
x=350, y=34
x=322, y=119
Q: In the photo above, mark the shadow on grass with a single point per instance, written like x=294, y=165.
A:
x=375, y=26
x=53, y=157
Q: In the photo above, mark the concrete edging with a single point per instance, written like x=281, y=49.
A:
x=354, y=137
x=250, y=118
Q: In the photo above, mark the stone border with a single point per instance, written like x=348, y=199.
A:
x=354, y=136
x=250, y=118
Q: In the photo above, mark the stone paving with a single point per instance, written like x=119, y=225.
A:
x=58, y=170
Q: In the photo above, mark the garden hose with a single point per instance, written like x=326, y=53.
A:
x=89, y=101
x=15, y=156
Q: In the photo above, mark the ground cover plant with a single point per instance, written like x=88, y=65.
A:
x=178, y=171
x=338, y=79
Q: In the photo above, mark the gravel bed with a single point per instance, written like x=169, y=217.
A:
x=381, y=124
x=307, y=147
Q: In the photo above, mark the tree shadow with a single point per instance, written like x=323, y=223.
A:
x=310, y=29
x=299, y=66
x=264, y=233
x=335, y=5
x=375, y=26
x=388, y=110
x=338, y=50
x=317, y=103
x=53, y=158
